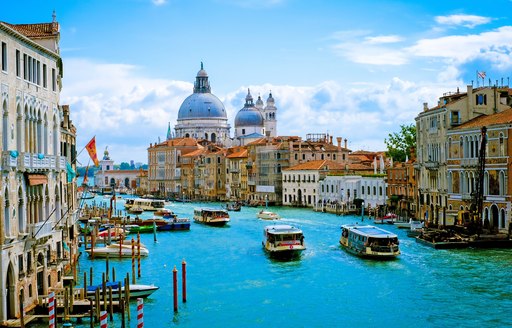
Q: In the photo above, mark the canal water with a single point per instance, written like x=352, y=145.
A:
x=232, y=283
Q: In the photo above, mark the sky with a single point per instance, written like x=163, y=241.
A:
x=351, y=69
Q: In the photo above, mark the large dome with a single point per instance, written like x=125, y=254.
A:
x=201, y=105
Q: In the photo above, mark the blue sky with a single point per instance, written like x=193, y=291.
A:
x=355, y=69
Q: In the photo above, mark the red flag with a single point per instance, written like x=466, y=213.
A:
x=91, y=149
x=86, y=178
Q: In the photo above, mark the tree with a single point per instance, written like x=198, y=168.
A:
x=400, y=143
x=125, y=166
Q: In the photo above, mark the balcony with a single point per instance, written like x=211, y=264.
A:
x=234, y=170
x=431, y=165
x=32, y=161
x=42, y=229
x=469, y=162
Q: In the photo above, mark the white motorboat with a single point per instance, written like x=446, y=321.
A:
x=116, y=250
x=136, y=290
x=268, y=215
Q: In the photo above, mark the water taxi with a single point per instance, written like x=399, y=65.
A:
x=136, y=290
x=369, y=241
x=268, y=215
x=283, y=241
x=175, y=224
x=148, y=204
x=211, y=216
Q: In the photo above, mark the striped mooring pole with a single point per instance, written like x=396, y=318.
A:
x=51, y=310
x=103, y=319
x=140, y=313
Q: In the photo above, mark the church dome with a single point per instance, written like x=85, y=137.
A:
x=249, y=115
x=201, y=105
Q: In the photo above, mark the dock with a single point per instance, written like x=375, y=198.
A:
x=448, y=239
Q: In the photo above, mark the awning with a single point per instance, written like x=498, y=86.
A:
x=37, y=179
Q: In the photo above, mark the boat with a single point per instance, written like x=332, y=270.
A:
x=416, y=227
x=175, y=224
x=116, y=250
x=211, y=216
x=369, y=242
x=136, y=290
x=165, y=212
x=149, y=204
x=408, y=224
x=268, y=215
x=135, y=210
x=389, y=218
x=128, y=203
x=283, y=241
x=234, y=207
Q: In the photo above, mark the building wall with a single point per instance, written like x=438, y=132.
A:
x=35, y=209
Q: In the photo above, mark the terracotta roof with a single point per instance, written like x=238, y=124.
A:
x=194, y=153
x=34, y=31
x=504, y=117
x=316, y=165
x=238, y=154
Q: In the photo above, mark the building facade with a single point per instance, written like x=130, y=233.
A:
x=37, y=149
x=432, y=126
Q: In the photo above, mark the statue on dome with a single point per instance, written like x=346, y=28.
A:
x=105, y=154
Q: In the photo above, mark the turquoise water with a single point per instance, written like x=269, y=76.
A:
x=232, y=283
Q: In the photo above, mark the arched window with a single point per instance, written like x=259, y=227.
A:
x=502, y=145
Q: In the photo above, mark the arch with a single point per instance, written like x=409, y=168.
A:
x=112, y=182
x=127, y=182
x=299, y=196
x=503, y=219
x=5, y=126
x=494, y=219
x=11, y=297
x=19, y=129
x=40, y=277
x=206, y=136
x=213, y=137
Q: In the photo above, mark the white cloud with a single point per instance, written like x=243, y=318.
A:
x=127, y=111
x=360, y=48
x=494, y=46
x=469, y=21
x=159, y=2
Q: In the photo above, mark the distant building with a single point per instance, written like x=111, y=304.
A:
x=107, y=176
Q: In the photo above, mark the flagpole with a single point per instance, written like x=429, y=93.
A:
x=81, y=151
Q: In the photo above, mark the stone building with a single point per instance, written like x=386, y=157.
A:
x=432, y=126
x=37, y=235
x=462, y=169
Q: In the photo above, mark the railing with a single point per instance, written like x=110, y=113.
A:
x=32, y=161
x=469, y=162
x=432, y=165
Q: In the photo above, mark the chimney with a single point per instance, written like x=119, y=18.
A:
x=338, y=139
x=346, y=144
x=425, y=106
x=330, y=140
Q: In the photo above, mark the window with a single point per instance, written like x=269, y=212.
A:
x=20, y=263
x=4, y=56
x=38, y=73
x=481, y=99
x=18, y=63
x=45, y=78
x=54, y=80
x=25, y=65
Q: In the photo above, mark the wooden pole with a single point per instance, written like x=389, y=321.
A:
x=154, y=230
x=97, y=305
x=90, y=276
x=175, y=288
x=127, y=295
x=106, y=267
x=138, y=255
x=85, y=284
x=134, y=281
x=184, y=281
x=113, y=274
x=91, y=314
x=110, y=305
x=104, y=291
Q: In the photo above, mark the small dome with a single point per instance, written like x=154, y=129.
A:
x=202, y=73
x=270, y=99
x=259, y=102
x=248, y=117
x=201, y=105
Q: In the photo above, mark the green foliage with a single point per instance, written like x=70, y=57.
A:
x=400, y=143
x=125, y=166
